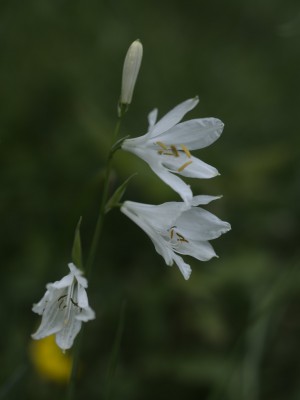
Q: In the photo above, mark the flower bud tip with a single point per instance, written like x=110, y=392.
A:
x=131, y=69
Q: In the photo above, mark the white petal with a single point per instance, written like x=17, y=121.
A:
x=194, y=134
x=154, y=235
x=157, y=162
x=136, y=145
x=184, y=268
x=77, y=273
x=40, y=306
x=158, y=217
x=63, y=283
x=196, y=169
x=203, y=199
x=174, y=116
x=52, y=320
x=82, y=298
x=203, y=251
x=44, y=331
x=199, y=224
x=152, y=117
x=174, y=182
x=74, y=270
x=82, y=281
x=65, y=337
x=86, y=314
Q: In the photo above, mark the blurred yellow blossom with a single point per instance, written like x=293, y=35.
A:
x=49, y=360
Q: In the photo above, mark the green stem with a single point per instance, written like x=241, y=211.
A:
x=100, y=220
x=92, y=254
x=73, y=376
x=115, y=352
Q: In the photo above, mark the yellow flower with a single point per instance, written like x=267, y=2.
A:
x=49, y=360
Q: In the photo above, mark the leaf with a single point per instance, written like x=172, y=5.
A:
x=115, y=199
x=118, y=144
x=77, y=249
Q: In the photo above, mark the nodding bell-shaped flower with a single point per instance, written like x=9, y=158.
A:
x=167, y=144
x=63, y=308
x=131, y=69
x=175, y=228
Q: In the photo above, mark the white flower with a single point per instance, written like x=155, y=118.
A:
x=63, y=308
x=176, y=228
x=166, y=147
x=131, y=67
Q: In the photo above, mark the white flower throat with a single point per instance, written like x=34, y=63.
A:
x=173, y=151
x=175, y=238
x=67, y=302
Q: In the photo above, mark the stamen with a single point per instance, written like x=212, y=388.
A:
x=181, y=238
x=186, y=150
x=74, y=302
x=174, y=151
x=171, y=230
x=69, y=298
x=60, y=301
x=161, y=144
x=184, y=165
x=166, y=151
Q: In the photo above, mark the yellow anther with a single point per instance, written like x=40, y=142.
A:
x=181, y=238
x=161, y=144
x=186, y=150
x=174, y=151
x=184, y=166
x=165, y=153
x=171, y=233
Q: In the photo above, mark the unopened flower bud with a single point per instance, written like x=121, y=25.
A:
x=131, y=69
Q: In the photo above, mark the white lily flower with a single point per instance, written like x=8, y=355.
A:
x=167, y=144
x=63, y=308
x=175, y=228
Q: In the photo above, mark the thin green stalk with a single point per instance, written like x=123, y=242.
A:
x=115, y=352
x=75, y=362
x=99, y=224
x=92, y=254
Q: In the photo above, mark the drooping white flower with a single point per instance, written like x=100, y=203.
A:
x=63, y=308
x=176, y=228
x=167, y=144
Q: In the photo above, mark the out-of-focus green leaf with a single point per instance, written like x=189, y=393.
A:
x=77, y=248
x=115, y=199
x=118, y=144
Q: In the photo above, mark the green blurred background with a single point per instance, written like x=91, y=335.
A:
x=232, y=331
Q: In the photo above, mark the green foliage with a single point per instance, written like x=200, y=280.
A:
x=77, y=248
x=232, y=331
x=115, y=199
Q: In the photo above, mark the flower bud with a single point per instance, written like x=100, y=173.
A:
x=131, y=69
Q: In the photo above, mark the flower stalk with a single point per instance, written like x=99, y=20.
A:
x=93, y=251
x=100, y=220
